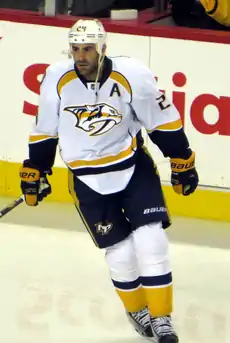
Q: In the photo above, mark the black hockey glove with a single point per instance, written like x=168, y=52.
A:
x=34, y=183
x=184, y=177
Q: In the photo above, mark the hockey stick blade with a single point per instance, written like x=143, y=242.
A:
x=11, y=206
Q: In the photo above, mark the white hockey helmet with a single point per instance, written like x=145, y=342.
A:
x=88, y=31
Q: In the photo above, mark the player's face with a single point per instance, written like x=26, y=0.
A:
x=86, y=58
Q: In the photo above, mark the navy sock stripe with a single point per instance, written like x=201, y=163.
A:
x=127, y=285
x=159, y=280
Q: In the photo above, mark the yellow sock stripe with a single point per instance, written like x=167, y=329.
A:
x=133, y=300
x=159, y=300
x=76, y=202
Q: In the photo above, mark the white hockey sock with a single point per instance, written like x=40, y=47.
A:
x=124, y=272
x=151, y=247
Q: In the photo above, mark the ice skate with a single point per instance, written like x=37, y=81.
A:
x=163, y=331
x=141, y=322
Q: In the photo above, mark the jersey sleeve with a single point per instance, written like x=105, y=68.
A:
x=159, y=117
x=44, y=135
x=153, y=109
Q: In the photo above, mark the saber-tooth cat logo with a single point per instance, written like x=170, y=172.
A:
x=97, y=119
x=103, y=228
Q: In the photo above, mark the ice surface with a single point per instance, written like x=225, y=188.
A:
x=55, y=286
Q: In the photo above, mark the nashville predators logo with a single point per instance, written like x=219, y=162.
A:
x=103, y=228
x=96, y=119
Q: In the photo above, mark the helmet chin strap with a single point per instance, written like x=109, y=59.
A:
x=100, y=64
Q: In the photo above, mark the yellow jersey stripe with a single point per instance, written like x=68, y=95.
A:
x=100, y=162
x=39, y=138
x=122, y=80
x=66, y=78
x=172, y=126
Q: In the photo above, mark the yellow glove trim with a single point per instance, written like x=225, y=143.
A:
x=179, y=165
x=29, y=174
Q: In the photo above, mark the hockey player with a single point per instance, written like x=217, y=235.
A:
x=94, y=107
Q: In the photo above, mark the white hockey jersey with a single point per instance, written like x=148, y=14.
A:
x=97, y=128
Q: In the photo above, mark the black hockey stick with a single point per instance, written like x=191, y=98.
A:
x=11, y=206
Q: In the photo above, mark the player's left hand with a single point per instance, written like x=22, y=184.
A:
x=184, y=177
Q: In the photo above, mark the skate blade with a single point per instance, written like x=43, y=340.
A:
x=150, y=339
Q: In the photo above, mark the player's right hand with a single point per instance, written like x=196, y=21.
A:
x=34, y=184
